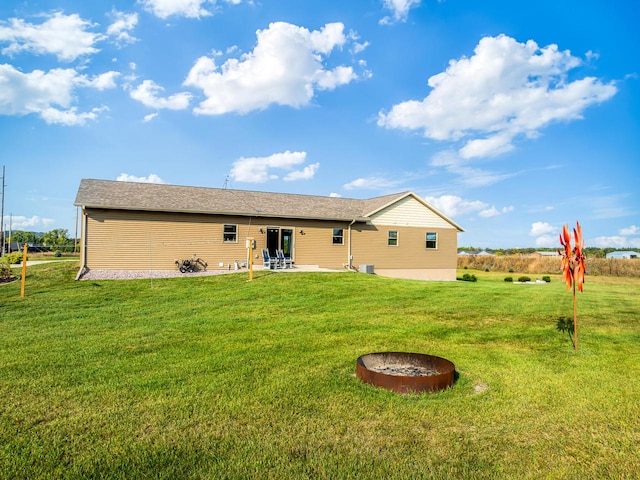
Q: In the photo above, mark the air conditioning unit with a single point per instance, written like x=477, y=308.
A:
x=366, y=268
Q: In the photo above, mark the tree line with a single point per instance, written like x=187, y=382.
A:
x=56, y=239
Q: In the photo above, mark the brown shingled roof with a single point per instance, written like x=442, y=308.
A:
x=119, y=195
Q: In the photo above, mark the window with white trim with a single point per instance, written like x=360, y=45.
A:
x=230, y=234
x=338, y=236
x=392, y=238
x=432, y=240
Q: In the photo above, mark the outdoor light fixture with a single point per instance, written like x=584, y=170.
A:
x=262, y=230
x=301, y=232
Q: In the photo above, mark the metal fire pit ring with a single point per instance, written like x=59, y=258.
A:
x=404, y=372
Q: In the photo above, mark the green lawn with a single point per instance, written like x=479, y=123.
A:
x=217, y=377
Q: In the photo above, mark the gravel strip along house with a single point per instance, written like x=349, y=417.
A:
x=144, y=226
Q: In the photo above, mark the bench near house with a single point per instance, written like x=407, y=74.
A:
x=143, y=226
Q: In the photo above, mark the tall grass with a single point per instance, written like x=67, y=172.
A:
x=532, y=264
x=217, y=377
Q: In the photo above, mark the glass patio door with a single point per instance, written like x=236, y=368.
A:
x=280, y=239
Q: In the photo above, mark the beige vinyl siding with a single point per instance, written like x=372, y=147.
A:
x=135, y=240
x=153, y=241
x=315, y=246
x=409, y=212
x=369, y=246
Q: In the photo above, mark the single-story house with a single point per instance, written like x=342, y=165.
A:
x=623, y=254
x=144, y=226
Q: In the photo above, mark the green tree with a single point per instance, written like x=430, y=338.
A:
x=21, y=236
x=58, y=236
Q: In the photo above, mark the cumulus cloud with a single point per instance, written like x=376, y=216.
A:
x=122, y=26
x=547, y=241
x=616, y=241
x=259, y=169
x=182, y=8
x=152, y=178
x=148, y=93
x=66, y=36
x=542, y=228
x=506, y=90
x=286, y=67
x=399, y=10
x=452, y=205
x=19, y=222
x=148, y=118
x=632, y=230
x=49, y=95
x=306, y=173
x=494, y=212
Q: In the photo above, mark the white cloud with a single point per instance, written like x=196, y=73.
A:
x=148, y=92
x=285, y=68
x=632, y=230
x=152, y=178
x=65, y=36
x=19, y=222
x=371, y=183
x=121, y=27
x=49, y=94
x=542, y=228
x=335, y=195
x=258, y=169
x=494, y=212
x=505, y=90
x=148, y=118
x=548, y=241
x=70, y=117
x=306, y=173
x=615, y=242
x=399, y=10
x=452, y=205
x=182, y=8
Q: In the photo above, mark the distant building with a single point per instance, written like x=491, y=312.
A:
x=623, y=254
x=546, y=254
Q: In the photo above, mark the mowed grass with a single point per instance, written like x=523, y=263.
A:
x=218, y=377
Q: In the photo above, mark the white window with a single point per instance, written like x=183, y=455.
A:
x=230, y=234
x=392, y=238
x=338, y=236
x=432, y=240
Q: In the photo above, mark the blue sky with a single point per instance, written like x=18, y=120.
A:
x=512, y=118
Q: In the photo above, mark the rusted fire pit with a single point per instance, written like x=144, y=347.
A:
x=406, y=372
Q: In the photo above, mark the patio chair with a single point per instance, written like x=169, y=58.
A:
x=284, y=262
x=268, y=261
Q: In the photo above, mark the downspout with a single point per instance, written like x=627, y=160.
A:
x=83, y=246
x=350, y=259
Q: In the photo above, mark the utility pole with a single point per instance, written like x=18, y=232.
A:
x=2, y=215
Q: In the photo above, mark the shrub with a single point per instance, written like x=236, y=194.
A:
x=511, y=270
x=14, y=257
x=508, y=279
x=524, y=278
x=546, y=278
x=57, y=253
x=5, y=272
x=468, y=278
x=486, y=269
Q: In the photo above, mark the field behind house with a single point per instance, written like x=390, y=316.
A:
x=217, y=377
x=532, y=264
